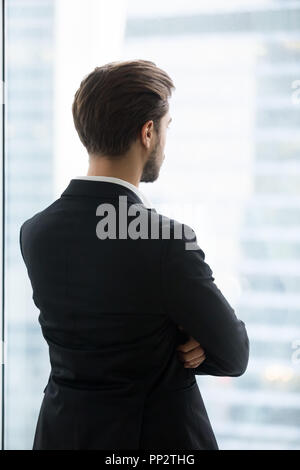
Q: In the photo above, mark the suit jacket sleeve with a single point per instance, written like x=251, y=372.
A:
x=193, y=300
x=20, y=242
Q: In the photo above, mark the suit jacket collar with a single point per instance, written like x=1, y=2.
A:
x=105, y=189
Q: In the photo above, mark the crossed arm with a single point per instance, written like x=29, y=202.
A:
x=219, y=340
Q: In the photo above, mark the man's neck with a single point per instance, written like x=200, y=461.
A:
x=124, y=169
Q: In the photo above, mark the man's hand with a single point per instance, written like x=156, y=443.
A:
x=191, y=353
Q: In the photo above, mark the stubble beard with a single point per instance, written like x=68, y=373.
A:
x=151, y=168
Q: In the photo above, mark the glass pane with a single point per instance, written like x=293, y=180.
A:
x=234, y=153
x=29, y=187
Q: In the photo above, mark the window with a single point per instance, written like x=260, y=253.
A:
x=231, y=172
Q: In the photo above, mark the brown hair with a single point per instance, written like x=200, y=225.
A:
x=114, y=101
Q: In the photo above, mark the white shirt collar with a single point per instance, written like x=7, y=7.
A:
x=112, y=179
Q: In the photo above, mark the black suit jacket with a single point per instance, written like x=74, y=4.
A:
x=110, y=311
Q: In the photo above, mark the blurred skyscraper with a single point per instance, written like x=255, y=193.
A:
x=235, y=153
x=29, y=188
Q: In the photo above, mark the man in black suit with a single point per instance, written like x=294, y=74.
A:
x=128, y=305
